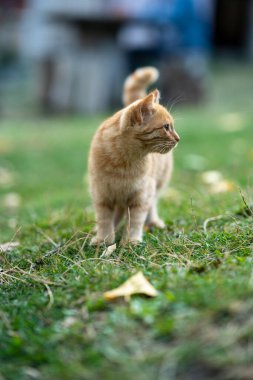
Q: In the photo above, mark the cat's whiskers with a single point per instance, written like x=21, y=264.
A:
x=162, y=148
x=175, y=101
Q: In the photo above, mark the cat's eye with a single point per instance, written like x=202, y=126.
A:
x=167, y=127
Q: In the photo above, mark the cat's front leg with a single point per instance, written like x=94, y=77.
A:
x=138, y=209
x=105, y=225
x=136, y=216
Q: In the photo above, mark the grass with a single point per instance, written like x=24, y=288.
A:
x=54, y=322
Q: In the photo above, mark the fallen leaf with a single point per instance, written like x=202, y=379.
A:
x=222, y=187
x=7, y=247
x=136, y=284
x=5, y=146
x=211, y=176
x=108, y=251
x=232, y=122
x=69, y=321
x=12, y=200
x=32, y=373
x=6, y=177
x=216, y=183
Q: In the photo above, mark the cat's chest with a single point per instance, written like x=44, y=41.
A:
x=123, y=190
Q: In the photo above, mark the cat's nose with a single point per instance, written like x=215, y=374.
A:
x=176, y=137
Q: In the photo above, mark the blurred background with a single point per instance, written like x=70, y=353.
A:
x=62, y=67
x=64, y=57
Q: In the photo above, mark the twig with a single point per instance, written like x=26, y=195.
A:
x=33, y=277
x=248, y=208
x=51, y=297
x=47, y=254
x=209, y=220
x=2, y=273
x=46, y=236
x=74, y=262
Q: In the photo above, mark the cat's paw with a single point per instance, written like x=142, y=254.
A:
x=156, y=223
x=135, y=241
x=130, y=241
x=95, y=241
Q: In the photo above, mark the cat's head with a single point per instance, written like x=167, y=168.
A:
x=149, y=123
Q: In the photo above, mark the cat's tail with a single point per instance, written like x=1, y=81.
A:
x=136, y=84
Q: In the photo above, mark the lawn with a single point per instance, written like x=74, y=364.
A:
x=55, y=323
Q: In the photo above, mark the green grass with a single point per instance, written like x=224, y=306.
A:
x=54, y=322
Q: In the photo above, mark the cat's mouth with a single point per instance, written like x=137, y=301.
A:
x=164, y=148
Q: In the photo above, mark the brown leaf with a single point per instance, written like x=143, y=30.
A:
x=216, y=183
x=136, y=284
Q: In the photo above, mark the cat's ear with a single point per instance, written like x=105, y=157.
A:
x=147, y=104
x=156, y=96
x=146, y=107
x=140, y=112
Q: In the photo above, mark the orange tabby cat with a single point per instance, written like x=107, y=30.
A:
x=130, y=160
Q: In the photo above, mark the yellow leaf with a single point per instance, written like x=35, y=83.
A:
x=5, y=146
x=222, y=187
x=12, y=200
x=232, y=122
x=216, y=183
x=212, y=176
x=136, y=284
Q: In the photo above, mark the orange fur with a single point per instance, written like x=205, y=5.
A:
x=135, y=84
x=130, y=160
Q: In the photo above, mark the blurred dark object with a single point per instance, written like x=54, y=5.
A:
x=174, y=35
x=10, y=12
x=179, y=84
x=9, y=18
x=233, y=28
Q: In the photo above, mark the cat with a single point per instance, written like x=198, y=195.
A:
x=130, y=160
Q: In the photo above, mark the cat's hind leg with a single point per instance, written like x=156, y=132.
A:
x=153, y=219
